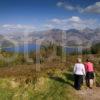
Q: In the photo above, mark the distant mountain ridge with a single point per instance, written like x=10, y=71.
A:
x=5, y=42
x=71, y=37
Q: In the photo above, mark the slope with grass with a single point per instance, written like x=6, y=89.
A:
x=54, y=86
x=50, y=86
x=53, y=82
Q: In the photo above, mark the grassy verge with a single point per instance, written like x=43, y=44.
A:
x=56, y=86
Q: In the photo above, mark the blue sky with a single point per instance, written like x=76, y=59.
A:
x=45, y=14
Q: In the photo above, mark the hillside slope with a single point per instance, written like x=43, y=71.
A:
x=56, y=86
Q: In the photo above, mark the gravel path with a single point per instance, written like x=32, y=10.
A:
x=90, y=94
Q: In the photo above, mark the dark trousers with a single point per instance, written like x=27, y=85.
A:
x=89, y=75
x=78, y=81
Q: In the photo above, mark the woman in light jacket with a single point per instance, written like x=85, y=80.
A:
x=79, y=72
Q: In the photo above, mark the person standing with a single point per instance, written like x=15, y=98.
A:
x=79, y=72
x=89, y=73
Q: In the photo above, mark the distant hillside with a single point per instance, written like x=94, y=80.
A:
x=5, y=42
x=71, y=37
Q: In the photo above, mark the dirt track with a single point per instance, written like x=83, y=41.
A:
x=90, y=94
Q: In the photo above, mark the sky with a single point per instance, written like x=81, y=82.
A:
x=48, y=14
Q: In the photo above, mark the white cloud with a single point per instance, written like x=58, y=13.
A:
x=75, y=19
x=69, y=23
x=48, y=26
x=18, y=26
x=56, y=20
x=95, y=8
x=59, y=4
x=66, y=6
x=12, y=28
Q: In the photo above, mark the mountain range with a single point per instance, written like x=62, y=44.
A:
x=71, y=37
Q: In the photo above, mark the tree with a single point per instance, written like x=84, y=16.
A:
x=95, y=48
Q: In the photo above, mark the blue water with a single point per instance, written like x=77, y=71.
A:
x=23, y=48
x=70, y=50
x=34, y=47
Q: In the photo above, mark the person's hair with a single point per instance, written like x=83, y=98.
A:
x=88, y=60
x=79, y=60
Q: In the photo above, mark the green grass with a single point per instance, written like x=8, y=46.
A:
x=49, y=87
x=57, y=85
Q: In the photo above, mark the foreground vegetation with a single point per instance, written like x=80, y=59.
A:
x=55, y=86
x=53, y=82
x=21, y=80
